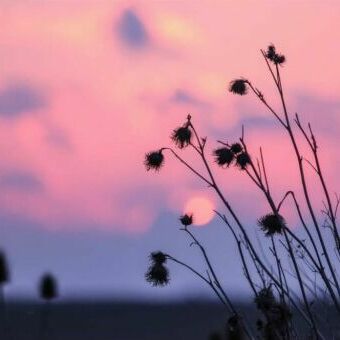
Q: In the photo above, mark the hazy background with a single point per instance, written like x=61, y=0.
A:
x=87, y=87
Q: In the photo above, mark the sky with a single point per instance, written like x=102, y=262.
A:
x=88, y=87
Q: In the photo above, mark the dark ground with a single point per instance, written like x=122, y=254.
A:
x=117, y=321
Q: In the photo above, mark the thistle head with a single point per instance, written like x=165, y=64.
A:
x=158, y=257
x=273, y=56
x=238, y=86
x=236, y=148
x=243, y=160
x=272, y=224
x=186, y=219
x=182, y=136
x=265, y=299
x=223, y=156
x=4, y=272
x=157, y=273
x=154, y=160
x=48, y=287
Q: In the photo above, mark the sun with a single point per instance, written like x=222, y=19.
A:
x=202, y=208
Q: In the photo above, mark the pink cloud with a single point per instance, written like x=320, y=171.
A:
x=111, y=104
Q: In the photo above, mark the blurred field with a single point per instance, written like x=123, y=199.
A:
x=121, y=321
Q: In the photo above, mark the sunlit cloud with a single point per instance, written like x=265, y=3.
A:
x=113, y=81
x=132, y=31
x=19, y=99
x=21, y=181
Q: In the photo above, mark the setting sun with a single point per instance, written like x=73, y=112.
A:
x=202, y=208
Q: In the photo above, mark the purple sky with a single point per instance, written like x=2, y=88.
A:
x=87, y=87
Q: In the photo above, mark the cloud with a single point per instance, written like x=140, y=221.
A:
x=16, y=100
x=58, y=138
x=322, y=113
x=20, y=181
x=183, y=97
x=132, y=31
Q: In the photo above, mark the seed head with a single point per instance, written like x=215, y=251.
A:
x=271, y=51
x=223, y=156
x=158, y=257
x=186, y=219
x=48, y=287
x=272, y=224
x=238, y=86
x=242, y=160
x=265, y=299
x=4, y=272
x=154, y=160
x=236, y=148
x=273, y=56
x=157, y=275
x=182, y=136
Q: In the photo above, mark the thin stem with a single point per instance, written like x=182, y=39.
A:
x=231, y=306
x=209, y=282
x=304, y=185
x=188, y=166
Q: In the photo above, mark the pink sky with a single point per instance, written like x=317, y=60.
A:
x=87, y=87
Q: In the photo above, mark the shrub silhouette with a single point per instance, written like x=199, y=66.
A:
x=312, y=259
x=4, y=279
x=48, y=291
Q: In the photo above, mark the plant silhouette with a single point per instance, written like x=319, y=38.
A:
x=4, y=279
x=48, y=291
x=313, y=255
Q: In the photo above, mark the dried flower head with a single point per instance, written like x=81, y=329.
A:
x=157, y=275
x=273, y=56
x=48, y=287
x=158, y=257
x=186, y=219
x=238, y=86
x=279, y=59
x=236, y=148
x=271, y=51
x=242, y=160
x=4, y=273
x=223, y=156
x=265, y=299
x=182, y=136
x=272, y=224
x=154, y=160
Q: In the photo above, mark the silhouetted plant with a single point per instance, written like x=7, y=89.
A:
x=182, y=135
x=242, y=160
x=272, y=224
x=224, y=156
x=157, y=274
x=312, y=262
x=186, y=220
x=154, y=160
x=238, y=86
x=48, y=291
x=4, y=279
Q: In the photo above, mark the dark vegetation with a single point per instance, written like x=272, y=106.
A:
x=110, y=320
x=307, y=258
